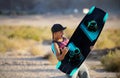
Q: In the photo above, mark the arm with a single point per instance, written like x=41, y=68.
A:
x=58, y=55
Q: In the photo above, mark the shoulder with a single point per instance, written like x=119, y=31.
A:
x=54, y=47
x=54, y=44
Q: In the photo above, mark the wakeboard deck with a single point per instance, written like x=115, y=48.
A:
x=85, y=35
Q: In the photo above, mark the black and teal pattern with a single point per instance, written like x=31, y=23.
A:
x=85, y=35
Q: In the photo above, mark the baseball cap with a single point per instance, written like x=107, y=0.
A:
x=57, y=27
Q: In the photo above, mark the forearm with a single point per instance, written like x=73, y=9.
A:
x=61, y=56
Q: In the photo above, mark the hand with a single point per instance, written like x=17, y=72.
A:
x=91, y=47
x=64, y=50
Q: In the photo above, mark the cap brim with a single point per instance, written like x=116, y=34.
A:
x=64, y=28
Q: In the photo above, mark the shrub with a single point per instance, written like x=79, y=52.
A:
x=111, y=61
x=109, y=38
x=15, y=37
x=13, y=44
x=37, y=50
x=20, y=37
x=25, y=32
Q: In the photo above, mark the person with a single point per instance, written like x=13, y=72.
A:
x=59, y=42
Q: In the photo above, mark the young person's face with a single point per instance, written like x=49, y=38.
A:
x=59, y=34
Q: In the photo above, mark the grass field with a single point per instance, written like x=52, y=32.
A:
x=16, y=37
x=19, y=37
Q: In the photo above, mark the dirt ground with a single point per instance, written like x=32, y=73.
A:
x=36, y=67
x=21, y=64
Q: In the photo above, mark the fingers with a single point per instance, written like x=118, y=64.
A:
x=65, y=49
x=91, y=47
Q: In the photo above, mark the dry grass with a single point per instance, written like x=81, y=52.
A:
x=12, y=44
x=25, y=32
x=109, y=38
x=20, y=37
x=68, y=32
x=111, y=62
x=51, y=57
x=37, y=50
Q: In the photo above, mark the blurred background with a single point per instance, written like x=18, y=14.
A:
x=25, y=37
x=20, y=7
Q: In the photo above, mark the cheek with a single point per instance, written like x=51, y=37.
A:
x=57, y=34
